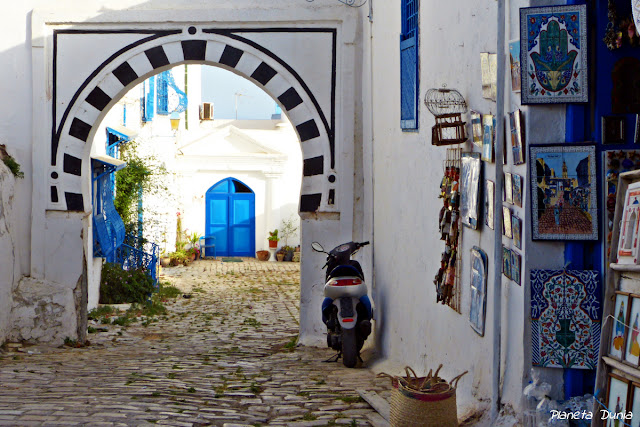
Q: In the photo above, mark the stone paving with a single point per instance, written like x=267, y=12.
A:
x=224, y=355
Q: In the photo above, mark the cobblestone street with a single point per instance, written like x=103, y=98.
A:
x=223, y=354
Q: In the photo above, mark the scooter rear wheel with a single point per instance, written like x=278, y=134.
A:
x=349, y=348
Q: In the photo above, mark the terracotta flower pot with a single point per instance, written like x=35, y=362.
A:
x=280, y=256
x=273, y=243
x=263, y=255
x=165, y=261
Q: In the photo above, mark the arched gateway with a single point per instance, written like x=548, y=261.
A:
x=303, y=60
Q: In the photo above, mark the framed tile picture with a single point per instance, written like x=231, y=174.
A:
x=613, y=129
x=563, y=192
x=517, y=137
x=516, y=229
x=508, y=188
x=517, y=190
x=514, y=61
x=489, y=195
x=506, y=222
x=478, y=289
x=476, y=128
x=506, y=262
x=617, y=397
x=488, y=122
x=560, y=77
x=516, y=261
x=619, y=329
x=634, y=404
x=632, y=341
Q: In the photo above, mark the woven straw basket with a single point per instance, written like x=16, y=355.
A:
x=423, y=401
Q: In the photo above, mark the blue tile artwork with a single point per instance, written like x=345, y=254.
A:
x=566, y=311
x=553, y=54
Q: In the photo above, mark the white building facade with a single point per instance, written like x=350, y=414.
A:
x=335, y=71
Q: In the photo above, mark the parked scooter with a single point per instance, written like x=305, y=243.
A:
x=346, y=309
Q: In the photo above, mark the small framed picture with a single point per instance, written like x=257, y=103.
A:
x=613, y=129
x=619, y=328
x=632, y=341
x=634, y=404
x=514, y=61
x=506, y=262
x=515, y=266
x=476, y=128
x=517, y=137
x=487, y=137
x=506, y=222
x=517, y=189
x=508, y=188
x=516, y=228
x=489, y=203
x=617, y=396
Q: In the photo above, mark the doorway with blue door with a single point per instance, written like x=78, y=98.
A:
x=231, y=218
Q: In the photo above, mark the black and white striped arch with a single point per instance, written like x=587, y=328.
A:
x=69, y=143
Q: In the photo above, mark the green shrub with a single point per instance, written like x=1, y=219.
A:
x=13, y=166
x=118, y=286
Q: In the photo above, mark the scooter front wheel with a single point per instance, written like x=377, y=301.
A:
x=349, y=348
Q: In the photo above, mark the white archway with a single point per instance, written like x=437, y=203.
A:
x=257, y=45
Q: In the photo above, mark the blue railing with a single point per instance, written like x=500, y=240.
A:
x=131, y=258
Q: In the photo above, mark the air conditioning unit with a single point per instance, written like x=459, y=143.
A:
x=206, y=111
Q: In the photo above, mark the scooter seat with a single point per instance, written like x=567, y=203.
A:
x=346, y=271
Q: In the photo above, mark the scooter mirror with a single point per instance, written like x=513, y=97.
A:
x=317, y=247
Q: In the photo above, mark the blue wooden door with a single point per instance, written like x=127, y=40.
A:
x=230, y=218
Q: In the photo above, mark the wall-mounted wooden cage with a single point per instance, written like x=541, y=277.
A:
x=447, y=105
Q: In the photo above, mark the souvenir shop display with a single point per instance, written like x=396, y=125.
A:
x=614, y=163
x=447, y=105
x=563, y=192
x=563, y=76
x=517, y=137
x=448, y=275
x=565, y=318
x=489, y=195
x=470, y=189
x=477, y=312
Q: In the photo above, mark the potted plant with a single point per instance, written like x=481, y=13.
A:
x=280, y=255
x=263, y=255
x=288, y=253
x=288, y=229
x=165, y=260
x=273, y=238
x=193, y=253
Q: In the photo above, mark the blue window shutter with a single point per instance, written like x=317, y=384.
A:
x=163, y=93
x=409, y=66
x=148, y=99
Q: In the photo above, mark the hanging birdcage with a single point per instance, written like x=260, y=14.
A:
x=447, y=105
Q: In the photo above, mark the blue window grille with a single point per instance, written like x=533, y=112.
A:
x=409, y=66
x=148, y=99
x=165, y=82
x=163, y=93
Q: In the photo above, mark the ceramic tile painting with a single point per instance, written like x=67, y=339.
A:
x=476, y=128
x=632, y=343
x=508, y=188
x=517, y=137
x=565, y=318
x=517, y=189
x=487, y=137
x=478, y=289
x=553, y=45
x=564, y=192
x=489, y=195
x=514, y=61
x=629, y=226
x=516, y=261
x=470, y=189
x=618, y=332
x=516, y=229
x=506, y=262
x=617, y=398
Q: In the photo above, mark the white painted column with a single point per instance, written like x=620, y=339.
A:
x=272, y=201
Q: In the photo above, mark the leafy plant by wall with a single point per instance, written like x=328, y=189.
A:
x=119, y=286
x=10, y=162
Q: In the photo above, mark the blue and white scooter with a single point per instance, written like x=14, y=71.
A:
x=346, y=309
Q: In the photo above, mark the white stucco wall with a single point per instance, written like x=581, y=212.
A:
x=412, y=329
